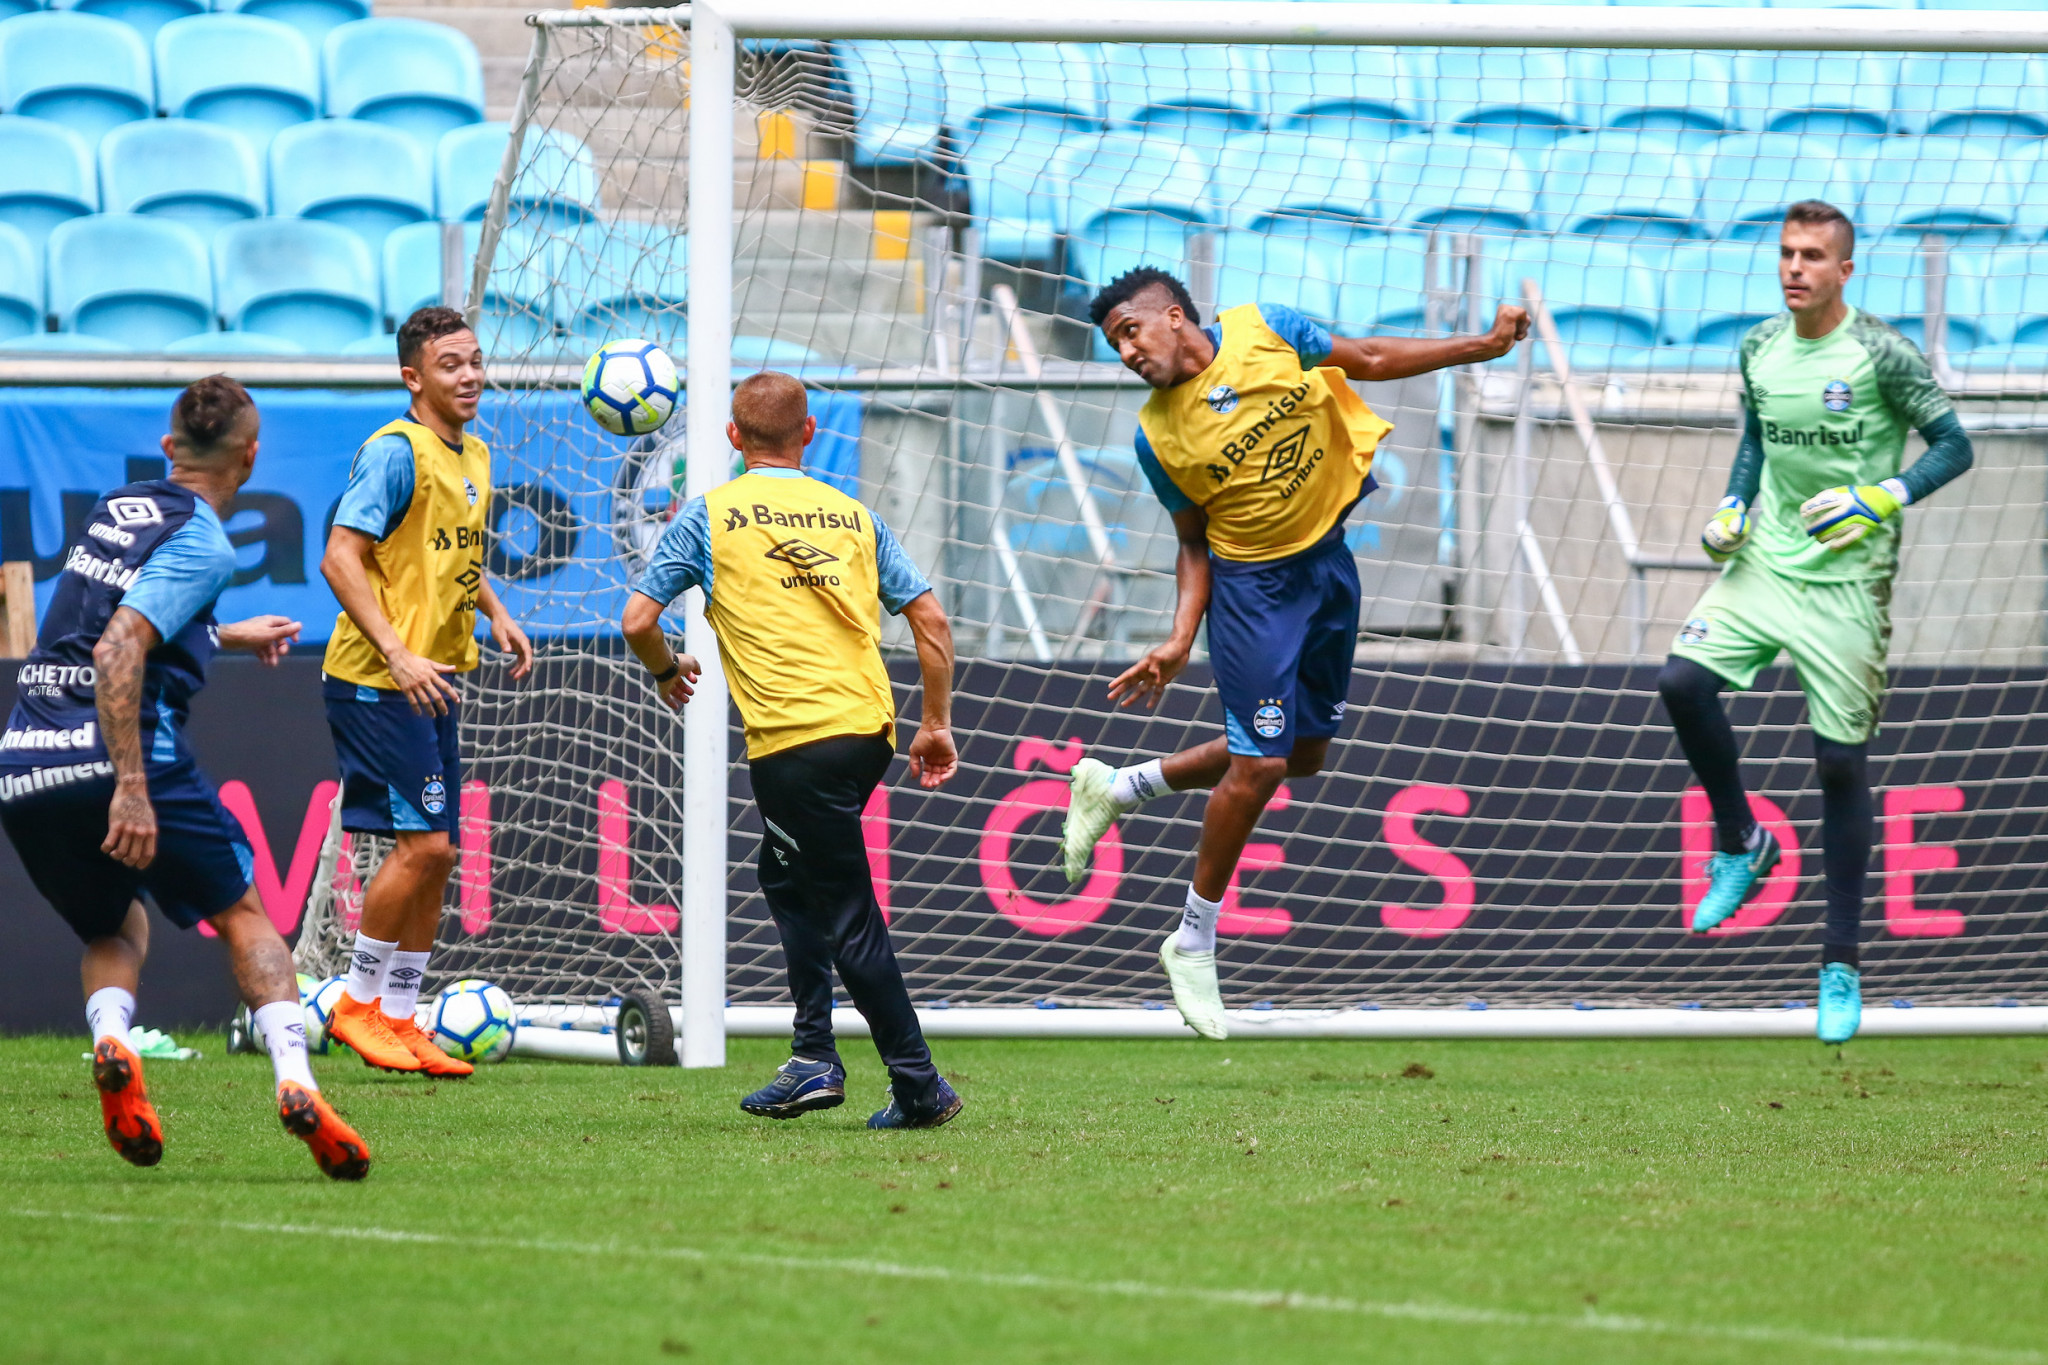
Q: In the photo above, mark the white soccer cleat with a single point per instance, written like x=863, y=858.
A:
x=1090, y=813
x=1195, y=992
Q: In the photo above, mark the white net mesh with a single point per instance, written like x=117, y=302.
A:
x=1505, y=815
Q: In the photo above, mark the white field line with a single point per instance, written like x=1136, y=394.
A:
x=1452, y=1314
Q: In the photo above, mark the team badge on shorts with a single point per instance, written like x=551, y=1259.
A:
x=1693, y=632
x=1837, y=396
x=1221, y=399
x=434, y=796
x=1269, y=720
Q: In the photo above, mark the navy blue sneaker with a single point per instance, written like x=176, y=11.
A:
x=945, y=1104
x=798, y=1088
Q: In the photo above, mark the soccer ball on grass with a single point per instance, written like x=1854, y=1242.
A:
x=473, y=1020
x=319, y=999
x=630, y=387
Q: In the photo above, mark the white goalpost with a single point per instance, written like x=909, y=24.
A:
x=908, y=208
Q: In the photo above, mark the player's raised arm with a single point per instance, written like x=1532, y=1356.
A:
x=1381, y=358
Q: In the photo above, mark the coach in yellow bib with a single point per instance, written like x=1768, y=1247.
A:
x=795, y=576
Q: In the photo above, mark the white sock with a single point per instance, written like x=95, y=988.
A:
x=283, y=1026
x=108, y=1010
x=1131, y=788
x=366, y=968
x=402, y=977
x=1198, y=925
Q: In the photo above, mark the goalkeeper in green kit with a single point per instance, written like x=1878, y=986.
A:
x=1810, y=534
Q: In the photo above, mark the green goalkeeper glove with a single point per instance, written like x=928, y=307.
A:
x=1839, y=517
x=1726, y=531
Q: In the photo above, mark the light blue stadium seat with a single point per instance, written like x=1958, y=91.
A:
x=254, y=75
x=313, y=283
x=2027, y=6
x=144, y=282
x=516, y=317
x=383, y=345
x=2028, y=172
x=63, y=343
x=1891, y=282
x=1518, y=96
x=1634, y=186
x=1014, y=206
x=1454, y=184
x=1602, y=298
x=10, y=8
x=1357, y=92
x=1382, y=284
x=422, y=79
x=1844, y=4
x=2009, y=286
x=366, y=177
x=1953, y=186
x=21, y=286
x=234, y=344
x=199, y=174
x=46, y=177
x=1202, y=92
x=412, y=268
x=1004, y=99
x=312, y=18
x=1973, y=94
x=85, y=72
x=1815, y=92
x=1713, y=293
x=1125, y=200
x=1295, y=183
x=899, y=100
x=557, y=181
x=144, y=16
x=1690, y=4
x=1259, y=267
x=1688, y=95
x=621, y=279
x=1753, y=177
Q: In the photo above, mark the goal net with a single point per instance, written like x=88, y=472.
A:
x=917, y=228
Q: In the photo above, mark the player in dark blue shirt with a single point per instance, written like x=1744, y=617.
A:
x=101, y=795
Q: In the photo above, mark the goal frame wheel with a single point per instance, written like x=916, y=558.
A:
x=645, y=1031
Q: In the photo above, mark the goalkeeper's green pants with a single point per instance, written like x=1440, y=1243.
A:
x=1837, y=635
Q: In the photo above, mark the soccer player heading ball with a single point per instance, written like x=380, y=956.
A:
x=1810, y=533
x=1259, y=449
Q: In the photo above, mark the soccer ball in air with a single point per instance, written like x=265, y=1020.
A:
x=319, y=999
x=630, y=387
x=473, y=1020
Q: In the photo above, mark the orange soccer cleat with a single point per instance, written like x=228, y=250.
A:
x=364, y=1028
x=124, y=1104
x=432, y=1060
x=338, y=1148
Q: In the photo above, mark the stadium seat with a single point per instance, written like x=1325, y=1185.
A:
x=1000, y=95
x=1356, y=92
x=1519, y=96
x=10, y=8
x=516, y=317
x=63, y=343
x=1713, y=293
x=1687, y=95
x=144, y=282
x=313, y=283
x=412, y=268
x=423, y=79
x=1623, y=185
x=21, y=286
x=198, y=174
x=1953, y=186
x=557, y=181
x=144, y=16
x=1603, y=300
x=1201, y=92
x=366, y=177
x=254, y=75
x=899, y=100
x=1383, y=284
x=1891, y=282
x=85, y=72
x=1125, y=200
x=1013, y=204
x=1258, y=267
x=2028, y=6
x=1752, y=178
x=1815, y=92
x=1294, y=183
x=1843, y=4
x=1973, y=94
x=312, y=18
x=2009, y=286
x=1454, y=184
x=2028, y=173
x=631, y=280
x=234, y=344
x=46, y=177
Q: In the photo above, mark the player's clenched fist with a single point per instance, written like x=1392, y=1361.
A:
x=1726, y=530
x=1839, y=517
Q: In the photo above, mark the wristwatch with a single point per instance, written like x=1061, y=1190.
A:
x=674, y=667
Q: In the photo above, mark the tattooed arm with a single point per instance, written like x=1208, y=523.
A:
x=117, y=660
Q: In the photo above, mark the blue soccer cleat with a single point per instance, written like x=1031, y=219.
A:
x=1841, y=1002
x=1731, y=877
x=945, y=1104
x=798, y=1088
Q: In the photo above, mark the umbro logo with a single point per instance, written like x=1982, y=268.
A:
x=801, y=554
x=1285, y=456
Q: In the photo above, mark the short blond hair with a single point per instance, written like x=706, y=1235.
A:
x=769, y=409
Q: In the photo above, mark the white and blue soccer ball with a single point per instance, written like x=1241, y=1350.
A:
x=473, y=1020
x=319, y=998
x=630, y=387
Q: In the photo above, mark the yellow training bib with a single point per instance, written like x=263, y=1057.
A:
x=427, y=572
x=796, y=605
x=1272, y=452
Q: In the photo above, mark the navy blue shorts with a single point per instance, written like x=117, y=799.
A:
x=1281, y=636
x=399, y=770
x=202, y=863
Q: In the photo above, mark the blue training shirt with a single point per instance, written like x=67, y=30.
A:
x=683, y=558
x=379, y=491
x=1310, y=340
x=184, y=575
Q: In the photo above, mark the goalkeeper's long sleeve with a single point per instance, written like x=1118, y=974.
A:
x=1948, y=454
x=1747, y=475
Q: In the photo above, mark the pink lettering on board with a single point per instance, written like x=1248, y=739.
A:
x=1696, y=844
x=1046, y=919
x=1061, y=758
x=1460, y=892
x=473, y=881
x=283, y=900
x=1252, y=921
x=1903, y=859
x=874, y=835
x=616, y=912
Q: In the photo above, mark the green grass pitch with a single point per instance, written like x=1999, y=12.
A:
x=1097, y=1201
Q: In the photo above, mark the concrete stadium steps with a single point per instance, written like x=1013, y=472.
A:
x=785, y=283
